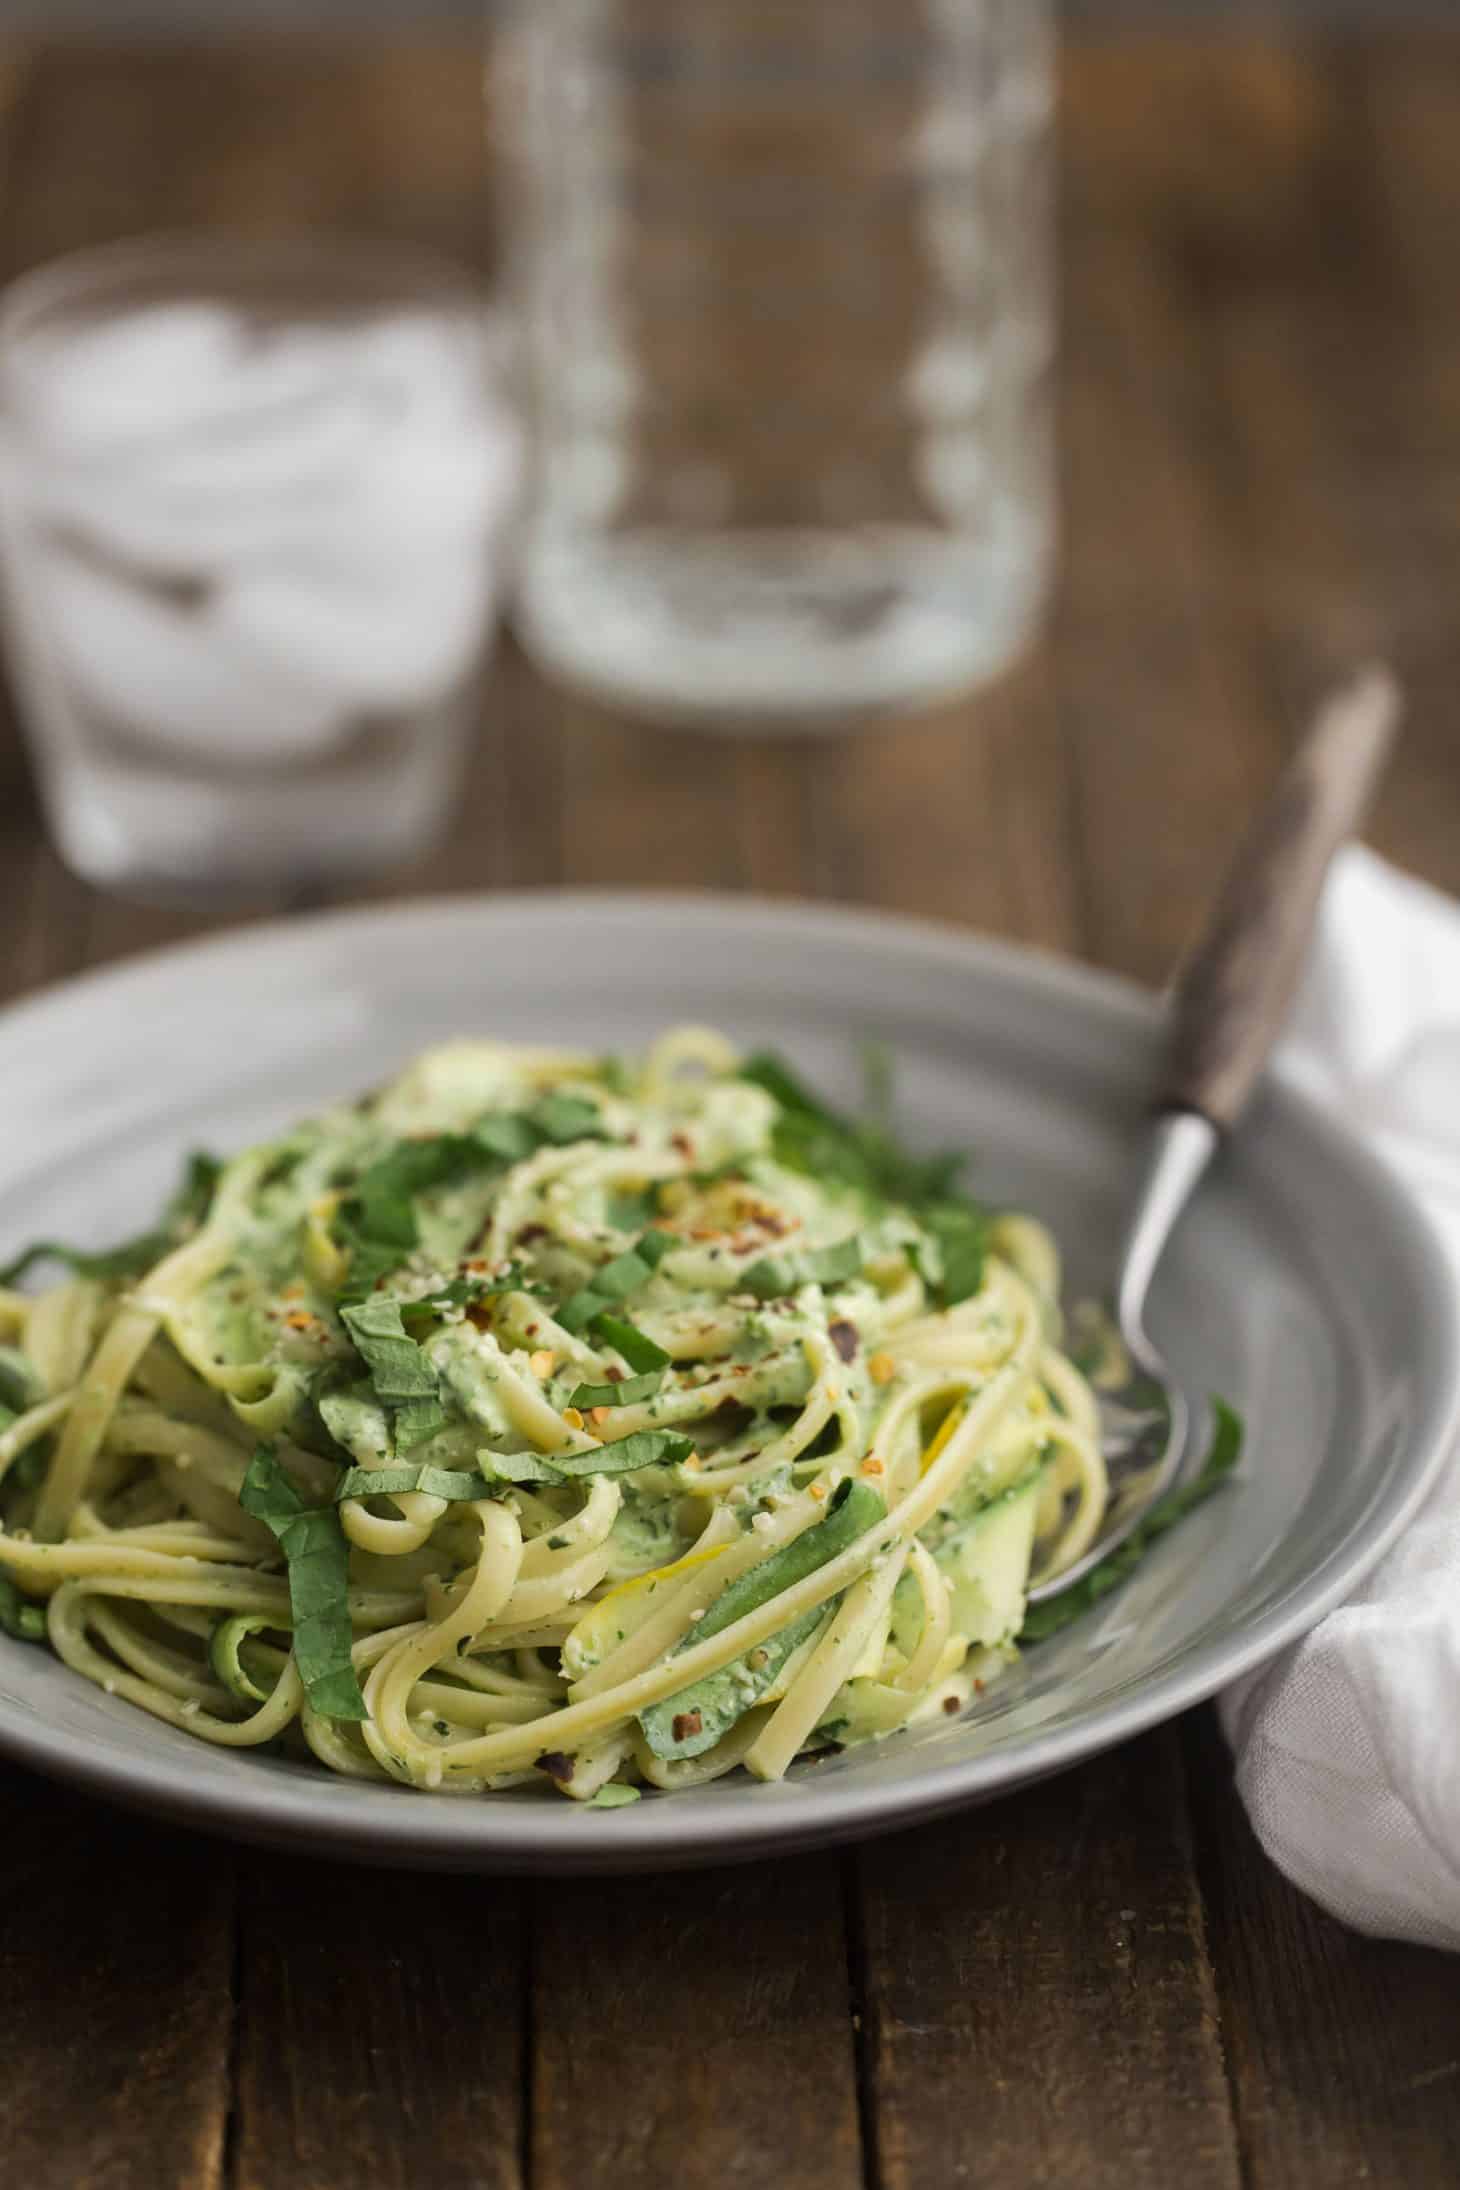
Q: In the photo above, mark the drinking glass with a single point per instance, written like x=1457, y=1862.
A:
x=782, y=269
x=250, y=504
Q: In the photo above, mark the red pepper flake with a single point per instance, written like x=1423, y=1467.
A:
x=844, y=1337
x=557, y=1766
x=682, y=1142
x=951, y=1705
x=686, y=1724
x=531, y=1232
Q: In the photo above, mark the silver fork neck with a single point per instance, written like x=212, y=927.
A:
x=1182, y=1145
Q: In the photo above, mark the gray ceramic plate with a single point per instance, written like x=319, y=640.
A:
x=1304, y=1286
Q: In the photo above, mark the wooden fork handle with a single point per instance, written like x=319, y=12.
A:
x=1233, y=993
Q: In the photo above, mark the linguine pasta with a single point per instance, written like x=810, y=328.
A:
x=542, y=1418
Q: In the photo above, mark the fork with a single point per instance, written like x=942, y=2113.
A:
x=1228, y=1005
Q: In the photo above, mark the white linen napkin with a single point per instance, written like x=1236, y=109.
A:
x=1347, y=1744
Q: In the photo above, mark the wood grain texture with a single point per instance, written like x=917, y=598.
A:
x=1038, y=2008
x=263, y=137
x=964, y=815
x=694, y=2031
x=1344, y=2052
x=380, y=2031
x=1161, y=696
x=116, y=1942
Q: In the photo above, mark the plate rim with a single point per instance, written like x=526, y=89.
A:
x=507, y=1838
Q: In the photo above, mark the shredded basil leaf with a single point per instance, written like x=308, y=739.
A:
x=772, y=1278
x=960, y=1232
x=417, y=1420
x=185, y=1211
x=630, y=1212
x=622, y=1456
x=615, y=1281
x=461, y=1292
x=1047, y=1618
x=811, y=1137
x=453, y=1484
x=371, y=1261
x=635, y=1346
x=579, y=1309
x=398, y=1368
x=519, y=1467
x=21, y=1387
x=318, y=1558
x=378, y=1224
x=564, y=1119
x=403, y=1379
x=629, y=1393
x=644, y=1449
x=25, y=1621
x=776, y=1275
x=506, y=1137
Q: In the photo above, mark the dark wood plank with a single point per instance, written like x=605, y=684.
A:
x=42, y=914
x=1038, y=2009
x=660, y=808
x=1344, y=2052
x=40, y=907
x=1329, y=346
x=1402, y=115
x=694, y=2031
x=645, y=807
x=264, y=136
x=115, y=1957
x=380, y=2030
x=962, y=813
x=775, y=785
x=1161, y=696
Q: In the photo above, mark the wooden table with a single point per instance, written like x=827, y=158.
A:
x=1101, y=1981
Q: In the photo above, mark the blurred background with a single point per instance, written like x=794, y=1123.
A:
x=1131, y=423
x=351, y=14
